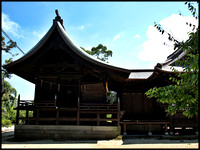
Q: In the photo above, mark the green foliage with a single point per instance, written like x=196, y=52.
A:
x=7, y=47
x=8, y=103
x=111, y=97
x=8, y=99
x=100, y=52
x=22, y=114
x=182, y=95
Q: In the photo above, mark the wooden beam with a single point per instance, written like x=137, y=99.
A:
x=37, y=116
x=17, y=115
x=78, y=112
x=57, y=116
x=98, y=118
x=27, y=110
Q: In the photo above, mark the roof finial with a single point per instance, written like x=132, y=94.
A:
x=57, y=13
x=58, y=18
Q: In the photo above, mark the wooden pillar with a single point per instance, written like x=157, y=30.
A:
x=118, y=114
x=98, y=117
x=149, y=132
x=124, y=129
x=196, y=125
x=17, y=115
x=171, y=132
x=37, y=117
x=118, y=102
x=55, y=101
x=78, y=112
x=57, y=116
x=26, y=113
x=166, y=133
x=79, y=87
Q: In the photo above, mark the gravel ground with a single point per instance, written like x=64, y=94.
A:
x=8, y=142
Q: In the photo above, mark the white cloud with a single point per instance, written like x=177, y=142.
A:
x=136, y=36
x=10, y=26
x=154, y=49
x=38, y=35
x=4, y=53
x=81, y=27
x=116, y=37
x=176, y=25
x=89, y=48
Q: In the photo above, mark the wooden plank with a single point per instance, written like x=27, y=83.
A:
x=47, y=119
x=27, y=118
x=27, y=115
x=78, y=112
x=67, y=119
x=37, y=117
x=101, y=112
x=145, y=123
x=57, y=117
x=17, y=115
x=98, y=117
x=98, y=111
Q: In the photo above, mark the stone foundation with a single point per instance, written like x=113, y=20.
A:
x=36, y=132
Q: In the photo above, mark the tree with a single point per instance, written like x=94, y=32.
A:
x=100, y=52
x=182, y=95
x=6, y=48
x=8, y=93
x=8, y=103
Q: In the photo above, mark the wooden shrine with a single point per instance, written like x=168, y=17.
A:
x=71, y=90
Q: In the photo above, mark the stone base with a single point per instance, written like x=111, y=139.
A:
x=35, y=132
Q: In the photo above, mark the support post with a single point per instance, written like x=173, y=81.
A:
x=118, y=102
x=149, y=132
x=57, y=116
x=171, y=132
x=124, y=129
x=37, y=117
x=17, y=115
x=98, y=117
x=78, y=113
x=195, y=128
x=118, y=114
x=166, y=133
x=26, y=104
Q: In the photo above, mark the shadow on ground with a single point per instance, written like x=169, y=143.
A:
x=49, y=141
x=8, y=138
x=159, y=139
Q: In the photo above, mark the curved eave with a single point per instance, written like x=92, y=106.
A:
x=171, y=61
x=83, y=54
x=33, y=50
x=71, y=44
x=158, y=70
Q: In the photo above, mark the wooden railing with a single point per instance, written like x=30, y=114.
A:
x=83, y=109
x=99, y=110
x=37, y=104
x=145, y=122
x=92, y=106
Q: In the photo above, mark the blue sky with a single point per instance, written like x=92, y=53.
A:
x=124, y=27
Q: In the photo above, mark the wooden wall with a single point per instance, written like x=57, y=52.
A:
x=138, y=107
x=93, y=93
